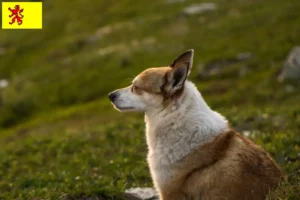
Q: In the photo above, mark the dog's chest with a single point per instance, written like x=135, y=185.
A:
x=161, y=171
x=168, y=144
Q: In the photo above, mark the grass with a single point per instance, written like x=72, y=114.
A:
x=61, y=138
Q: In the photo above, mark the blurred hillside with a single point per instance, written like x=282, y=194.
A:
x=61, y=138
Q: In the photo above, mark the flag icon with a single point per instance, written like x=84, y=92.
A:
x=22, y=15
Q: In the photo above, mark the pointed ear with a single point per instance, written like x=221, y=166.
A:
x=179, y=71
x=177, y=76
x=187, y=57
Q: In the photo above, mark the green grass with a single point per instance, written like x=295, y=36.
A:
x=61, y=138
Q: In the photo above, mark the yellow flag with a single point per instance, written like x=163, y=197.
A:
x=22, y=15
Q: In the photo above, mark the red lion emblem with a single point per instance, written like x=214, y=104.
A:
x=15, y=14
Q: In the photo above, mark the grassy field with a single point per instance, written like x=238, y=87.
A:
x=60, y=137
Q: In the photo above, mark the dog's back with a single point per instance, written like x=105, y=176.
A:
x=193, y=154
x=229, y=167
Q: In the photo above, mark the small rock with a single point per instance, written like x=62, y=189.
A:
x=217, y=67
x=199, y=8
x=3, y=83
x=91, y=39
x=246, y=133
x=141, y=194
x=265, y=116
x=291, y=68
x=243, y=56
x=289, y=88
x=104, y=31
x=214, y=68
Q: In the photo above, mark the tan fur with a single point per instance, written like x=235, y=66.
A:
x=151, y=80
x=154, y=81
x=230, y=167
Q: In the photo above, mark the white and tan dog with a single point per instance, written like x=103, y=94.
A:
x=193, y=154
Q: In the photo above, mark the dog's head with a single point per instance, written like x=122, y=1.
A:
x=154, y=87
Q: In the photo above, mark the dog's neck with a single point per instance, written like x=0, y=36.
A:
x=187, y=117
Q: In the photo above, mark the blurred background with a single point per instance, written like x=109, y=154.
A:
x=61, y=138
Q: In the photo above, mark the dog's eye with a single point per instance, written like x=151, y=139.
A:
x=133, y=88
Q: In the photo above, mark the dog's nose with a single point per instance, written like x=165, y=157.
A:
x=112, y=96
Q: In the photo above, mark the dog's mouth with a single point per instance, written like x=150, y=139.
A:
x=129, y=108
x=125, y=108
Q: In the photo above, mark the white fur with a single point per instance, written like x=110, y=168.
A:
x=175, y=132
x=128, y=101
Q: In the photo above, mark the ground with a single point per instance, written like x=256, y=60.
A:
x=61, y=138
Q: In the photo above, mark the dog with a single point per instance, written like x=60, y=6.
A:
x=193, y=153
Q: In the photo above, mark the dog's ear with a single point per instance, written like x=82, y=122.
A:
x=180, y=69
x=187, y=56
